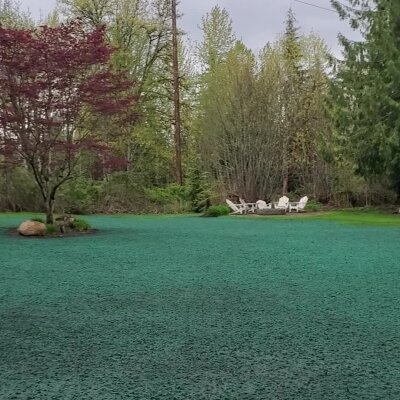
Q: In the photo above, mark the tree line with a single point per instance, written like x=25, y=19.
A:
x=289, y=119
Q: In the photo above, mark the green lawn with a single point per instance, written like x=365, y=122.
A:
x=357, y=217
x=196, y=308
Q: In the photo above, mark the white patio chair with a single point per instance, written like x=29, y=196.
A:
x=236, y=208
x=282, y=204
x=298, y=206
x=249, y=207
x=262, y=205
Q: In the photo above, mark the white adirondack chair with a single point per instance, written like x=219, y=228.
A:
x=262, y=205
x=249, y=207
x=298, y=206
x=282, y=204
x=236, y=208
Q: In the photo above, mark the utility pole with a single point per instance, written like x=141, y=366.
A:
x=177, y=101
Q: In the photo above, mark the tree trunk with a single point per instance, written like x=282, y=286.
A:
x=397, y=187
x=285, y=163
x=285, y=179
x=177, y=104
x=49, y=203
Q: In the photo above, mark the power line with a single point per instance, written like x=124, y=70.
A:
x=329, y=9
x=314, y=5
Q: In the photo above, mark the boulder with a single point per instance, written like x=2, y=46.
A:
x=32, y=228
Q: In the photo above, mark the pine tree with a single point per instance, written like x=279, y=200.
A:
x=291, y=42
x=368, y=89
x=291, y=88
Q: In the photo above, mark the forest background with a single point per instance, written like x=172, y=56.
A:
x=290, y=119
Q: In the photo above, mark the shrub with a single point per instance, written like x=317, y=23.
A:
x=198, y=190
x=38, y=219
x=171, y=199
x=80, y=224
x=18, y=191
x=77, y=196
x=313, y=205
x=51, y=229
x=120, y=192
x=217, y=211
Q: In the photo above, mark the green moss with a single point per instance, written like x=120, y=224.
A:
x=195, y=308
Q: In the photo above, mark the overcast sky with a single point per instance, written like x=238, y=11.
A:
x=255, y=21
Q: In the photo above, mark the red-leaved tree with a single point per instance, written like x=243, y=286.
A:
x=50, y=79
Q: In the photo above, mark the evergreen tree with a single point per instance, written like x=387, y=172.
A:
x=368, y=89
x=291, y=42
x=291, y=89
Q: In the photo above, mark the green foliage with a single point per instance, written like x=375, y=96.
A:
x=18, y=191
x=172, y=198
x=80, y=225
x=78, y=196
x=12, y=16
x=52, y=229
x=291, y=44
x=37, y=219
x=242, y=143
x=233, y=140
x=366, y=90
x=121, y=192
x=139, y=31
x=217, y=211
x=168, y=194
x=219, y=38
x=199, y=190
x=313, y=205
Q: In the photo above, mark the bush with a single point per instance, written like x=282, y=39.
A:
x=198, y=190
x=170, y=199
x=120, y=192
x=51, y=229
x=217, y=211
x=18, y=191
x=80, y=225
x=77, y=196
x=313, y=206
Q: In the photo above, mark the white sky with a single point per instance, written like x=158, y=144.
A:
x=255, y=21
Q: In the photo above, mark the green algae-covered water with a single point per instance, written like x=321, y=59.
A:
x=197, y=308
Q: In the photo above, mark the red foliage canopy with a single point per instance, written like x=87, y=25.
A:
x=49, y=78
